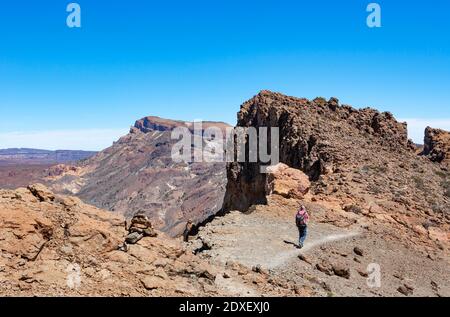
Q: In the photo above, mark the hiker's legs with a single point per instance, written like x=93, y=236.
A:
x=303, y=230
x=186, y=236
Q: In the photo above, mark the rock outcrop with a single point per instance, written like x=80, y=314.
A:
x=360, y=158
x=437, y=145
x=152, y=123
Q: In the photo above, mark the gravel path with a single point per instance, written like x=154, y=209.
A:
x=266, y=241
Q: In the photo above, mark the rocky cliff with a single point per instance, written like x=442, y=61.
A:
x=353, y=156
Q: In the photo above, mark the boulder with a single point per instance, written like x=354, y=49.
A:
x=325, y=267
x=358, y=251
x=406, y=290
x=41, y=192
x=341, y=271
x=287, y=182
x=153, y=282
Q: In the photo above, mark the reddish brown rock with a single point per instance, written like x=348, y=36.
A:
x=318, y=137
x=287, y=182
x=437, y=145
x=41, y=192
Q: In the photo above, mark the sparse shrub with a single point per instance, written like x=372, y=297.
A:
x=374, y=189
x=380, y=169
x=420, y=184
x=441, y=173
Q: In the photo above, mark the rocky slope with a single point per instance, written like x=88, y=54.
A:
x=54, y=245
x=138, y=174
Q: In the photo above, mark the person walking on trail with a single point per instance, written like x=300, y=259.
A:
x=301, y=220
x=188, y=230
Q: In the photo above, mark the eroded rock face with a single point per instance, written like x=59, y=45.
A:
x=138, y=174
x=152, y=123
x=316, y=137
x=437, y=145
x=360, y=158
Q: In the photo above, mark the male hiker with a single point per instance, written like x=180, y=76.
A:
x=301, y=220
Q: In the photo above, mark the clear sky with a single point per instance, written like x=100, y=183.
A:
x=200, y=59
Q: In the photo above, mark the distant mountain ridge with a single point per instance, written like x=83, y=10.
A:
x=38, y=156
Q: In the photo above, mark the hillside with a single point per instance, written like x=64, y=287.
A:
x=138, y=174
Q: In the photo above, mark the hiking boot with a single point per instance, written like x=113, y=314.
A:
x=299, y=246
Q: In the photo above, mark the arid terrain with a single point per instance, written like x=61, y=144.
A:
x=378, y=205
x=138, y=174
x=22, y=167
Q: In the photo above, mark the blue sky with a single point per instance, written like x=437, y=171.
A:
x=82, y=88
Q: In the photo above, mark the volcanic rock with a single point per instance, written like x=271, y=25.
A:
x=437, y=145
x=287, y=182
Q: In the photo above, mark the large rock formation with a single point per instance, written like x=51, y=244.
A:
x=437, y=145
x=138, y=174
x=350, y=155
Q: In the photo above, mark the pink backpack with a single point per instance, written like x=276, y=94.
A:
x=301, y=219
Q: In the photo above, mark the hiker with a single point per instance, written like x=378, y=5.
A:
x=187, y=230
x=301, y=220
x=140, y=227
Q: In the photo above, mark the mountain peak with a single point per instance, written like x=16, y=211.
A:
x=153, y=123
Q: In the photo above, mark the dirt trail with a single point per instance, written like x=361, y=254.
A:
x=266, y=241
